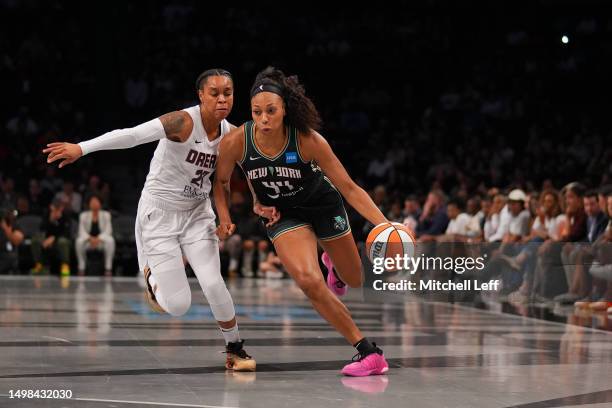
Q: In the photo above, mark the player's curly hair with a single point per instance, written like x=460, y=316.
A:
x=301, y=112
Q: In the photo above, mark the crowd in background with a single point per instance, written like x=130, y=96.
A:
x=445, y=126
x=543, y=245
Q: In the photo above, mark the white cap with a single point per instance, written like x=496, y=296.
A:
x=517, y=195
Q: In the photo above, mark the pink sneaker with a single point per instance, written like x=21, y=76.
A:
x=372, y=364
x=334, y=284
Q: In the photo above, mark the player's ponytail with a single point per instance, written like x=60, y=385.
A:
x=300, y=110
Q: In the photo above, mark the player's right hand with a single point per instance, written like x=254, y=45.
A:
x=67, y=152
x=225, y=230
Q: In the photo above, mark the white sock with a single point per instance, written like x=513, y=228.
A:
x=231, y=335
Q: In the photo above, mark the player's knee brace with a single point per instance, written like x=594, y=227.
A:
x=220, y=301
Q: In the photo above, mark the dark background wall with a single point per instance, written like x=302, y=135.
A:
x=462, y=97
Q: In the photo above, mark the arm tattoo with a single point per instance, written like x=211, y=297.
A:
x=173, y=123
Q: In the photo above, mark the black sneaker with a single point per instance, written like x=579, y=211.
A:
x=237, y=358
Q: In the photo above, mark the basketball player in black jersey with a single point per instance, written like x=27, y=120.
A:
x=298, y=184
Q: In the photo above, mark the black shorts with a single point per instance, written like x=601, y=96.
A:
x=325, y=214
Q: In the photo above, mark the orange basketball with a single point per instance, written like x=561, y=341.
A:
x=389, y=239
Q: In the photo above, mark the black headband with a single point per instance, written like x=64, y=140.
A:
x=267, y=88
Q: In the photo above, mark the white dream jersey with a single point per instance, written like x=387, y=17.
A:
x=179, y=175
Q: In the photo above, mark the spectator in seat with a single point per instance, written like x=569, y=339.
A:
x=71, y=199
x=515, y=228
x=602, y=196
x=458, y=228
x=574, y=231
x=54, y=242
x=473, y=208
x=602, y=265
x=597, y=222
x=10, y=239
x=518, y=222
x=433, y=220
x=493, y=220
x=95, y=233
x=545, y=228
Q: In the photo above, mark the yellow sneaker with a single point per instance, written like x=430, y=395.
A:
x=65, y=269
x=237, y=358
x=38, y=268
x=149, y=293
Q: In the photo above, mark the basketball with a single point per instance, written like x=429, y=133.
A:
x=389, y=239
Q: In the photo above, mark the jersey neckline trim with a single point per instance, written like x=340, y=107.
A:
x=262, y=154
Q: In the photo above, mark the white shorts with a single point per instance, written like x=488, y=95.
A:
x=161, y=229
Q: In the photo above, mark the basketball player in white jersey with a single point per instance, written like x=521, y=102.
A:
x=175, y=216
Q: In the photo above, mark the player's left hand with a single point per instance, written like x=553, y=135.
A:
x=66, y=152
x=269, y=213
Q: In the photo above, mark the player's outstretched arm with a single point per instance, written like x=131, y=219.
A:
x=314, y=147
x=176, y=126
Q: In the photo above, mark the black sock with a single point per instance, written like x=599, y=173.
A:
x=235, y=346
x=364, y=347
